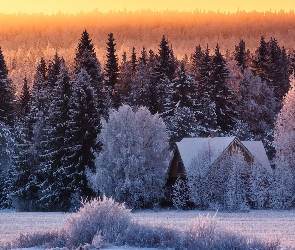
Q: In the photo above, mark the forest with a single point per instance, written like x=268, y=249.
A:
x=57, y=131
x=26, y=38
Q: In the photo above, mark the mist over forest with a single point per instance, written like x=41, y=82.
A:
x=25, y=38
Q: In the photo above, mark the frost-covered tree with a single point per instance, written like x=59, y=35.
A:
x=86, y=59
x=132, y=164
x=160, y=86
x=6, y=161
x=256, y=107
x=281, y=194
x=180, y=196
x=284, y=136
x=205, y=104
x=222, y=95
x=141, y=80
x=56, y=190
x=84, y=128
x=182, y=123
x=237, y=184
x=260, y=181
x=197, y=179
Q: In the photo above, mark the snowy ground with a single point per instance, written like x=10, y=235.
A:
x=268, y=225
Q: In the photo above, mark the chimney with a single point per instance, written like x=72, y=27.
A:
x=213, y=133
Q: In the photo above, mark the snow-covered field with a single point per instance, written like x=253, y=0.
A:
x=268, y=225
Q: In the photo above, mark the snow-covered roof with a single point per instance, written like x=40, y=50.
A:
x=190, y=148
x=256, y=148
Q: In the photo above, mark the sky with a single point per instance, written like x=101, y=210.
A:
x=73, y=6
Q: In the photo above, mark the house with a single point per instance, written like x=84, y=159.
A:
x=214, y=159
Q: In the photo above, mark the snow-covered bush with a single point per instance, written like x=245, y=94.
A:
x=281, y=190
x=204, y=233
x=133, y=162
x=103, y=217
x=180, y=194
x=197, y=179
x=50, y=238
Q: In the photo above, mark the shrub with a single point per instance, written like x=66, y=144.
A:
x=99, y=217
x=50, y=238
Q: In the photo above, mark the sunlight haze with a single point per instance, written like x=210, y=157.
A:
x=75, y=6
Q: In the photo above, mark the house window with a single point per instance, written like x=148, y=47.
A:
x=180, y=167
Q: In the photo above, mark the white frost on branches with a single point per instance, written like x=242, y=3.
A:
x=133, y=162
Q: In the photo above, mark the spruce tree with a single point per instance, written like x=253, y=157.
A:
x=224, y=97
x=125, y=79
x=260, y=63
x=240, y=55
x=160, y=94
x=195, y=64
x=182, y=86
x=85, y=126
x=6, y=94
x=56, y=191
x=133, y=60
x=205, y=104
x=112, y=72
x=25, y=99
x=278, y=65
x=53, y=71
x=140, y=81
x=86, y=59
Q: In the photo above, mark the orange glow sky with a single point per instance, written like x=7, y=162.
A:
x=74, y=6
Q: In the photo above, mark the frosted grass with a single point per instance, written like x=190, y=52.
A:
x=265, y=224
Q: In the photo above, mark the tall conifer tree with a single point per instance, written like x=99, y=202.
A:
x=112, y=72
x=6, y=94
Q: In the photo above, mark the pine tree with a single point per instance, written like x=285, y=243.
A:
x=278, y=70
x=205, y=104
x=86, y=59
x=160, y=92
x=241, y=56
x=27, y=179
x=195, y=64
x=25, y=99
x=125, y=79
x=260, y=63
x=6, y=94
x=133, y=60
x=53, y=71
x=224, y=97
x=182, y=86
x=182, y=122
x=112, y=72
x=85, y=126
x=140, y=82
x=6, y=162
x=55, y=191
